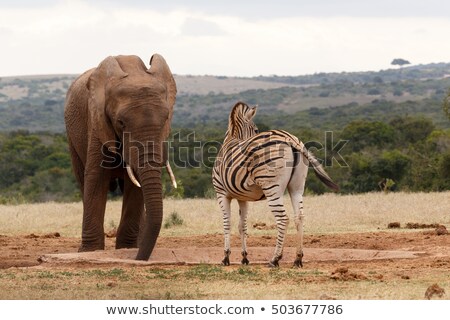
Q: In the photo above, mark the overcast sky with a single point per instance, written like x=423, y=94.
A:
x=233, y=38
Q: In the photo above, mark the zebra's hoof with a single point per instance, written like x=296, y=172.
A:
x=298, y=263
x=273, y=264
x=226, y=261
x=244, y=258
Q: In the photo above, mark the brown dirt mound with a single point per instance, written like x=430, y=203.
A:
x=415, y=225
x=111, y=233
x=263, y=226
x=441, y=230
x=343, y=274
x=394, y=225
x=434, y=290
x=44, y=236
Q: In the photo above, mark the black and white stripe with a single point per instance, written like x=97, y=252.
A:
x=252, y=166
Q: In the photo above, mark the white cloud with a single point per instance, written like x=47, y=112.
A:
x=200, y=27
x=72, y=36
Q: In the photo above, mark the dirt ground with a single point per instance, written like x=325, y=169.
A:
x=393, y=264
x=427, y=246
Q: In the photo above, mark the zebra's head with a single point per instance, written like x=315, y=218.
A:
x=240, y=124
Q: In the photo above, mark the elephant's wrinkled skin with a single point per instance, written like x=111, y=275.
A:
x=120, y=113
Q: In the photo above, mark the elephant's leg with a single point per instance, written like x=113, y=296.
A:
x=96, y=186
x=132, y=211
x=78, y=167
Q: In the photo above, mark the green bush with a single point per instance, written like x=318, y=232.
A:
x=362, y=134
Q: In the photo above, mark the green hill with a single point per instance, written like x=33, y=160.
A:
x=367, y=127
x=36, y=103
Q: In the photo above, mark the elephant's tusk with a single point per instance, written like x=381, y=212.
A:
x=132, y=177
x=170, y=172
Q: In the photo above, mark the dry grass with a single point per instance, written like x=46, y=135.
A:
x=298, y=101
x=329, y=213
x=14, y=92
x=186, y=84
x=205, y=84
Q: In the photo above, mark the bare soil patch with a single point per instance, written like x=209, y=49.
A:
x=375, y=265
x=375, y=247
x=213, y=255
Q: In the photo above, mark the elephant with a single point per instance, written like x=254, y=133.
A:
x=117, y=117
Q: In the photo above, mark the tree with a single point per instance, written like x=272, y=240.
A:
x=362, y=134
x=446, y=106
x=412, y=129
x=362, y=176
x=400, y=62
x=392, y=165
x=444, y=168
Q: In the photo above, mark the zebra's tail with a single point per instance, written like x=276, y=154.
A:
x=319, y=170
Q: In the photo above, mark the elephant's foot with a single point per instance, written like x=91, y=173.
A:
x=126, y=246
x=91, y=247
x=244, y=258
x=123, y=244
x=226, y=259
x=274, y=262
x=298, y=261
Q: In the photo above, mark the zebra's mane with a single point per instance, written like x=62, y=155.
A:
x=232, y=121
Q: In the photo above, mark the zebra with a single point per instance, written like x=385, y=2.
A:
x=252, y=166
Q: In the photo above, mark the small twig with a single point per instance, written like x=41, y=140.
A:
x=177, y=261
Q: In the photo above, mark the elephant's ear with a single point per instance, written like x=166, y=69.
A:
x=107, y=71
x=160, y=69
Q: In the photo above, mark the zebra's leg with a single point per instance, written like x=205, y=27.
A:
x=297, y=205
x=275, y=201
x=224, y=204
x=243, y=211
x=296, y=188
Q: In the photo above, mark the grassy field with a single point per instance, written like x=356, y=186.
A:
x=325, y=214
x=298, y=102
x=201, y=85
x=207, y=282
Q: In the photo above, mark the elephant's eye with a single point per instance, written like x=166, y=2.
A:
x=121, y=124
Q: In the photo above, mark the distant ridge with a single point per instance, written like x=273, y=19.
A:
x=36, y=102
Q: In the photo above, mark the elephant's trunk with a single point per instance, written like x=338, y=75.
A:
x=144, y=157
x=150, y=177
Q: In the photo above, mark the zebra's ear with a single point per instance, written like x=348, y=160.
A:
x=251, y=113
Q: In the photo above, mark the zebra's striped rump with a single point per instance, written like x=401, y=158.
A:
x=244, y=170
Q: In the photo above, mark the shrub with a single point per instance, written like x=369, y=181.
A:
x=174, y=219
